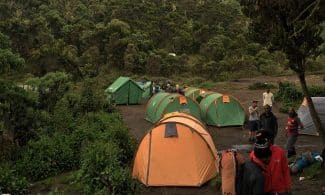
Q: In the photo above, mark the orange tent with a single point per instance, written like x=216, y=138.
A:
x=178, y=151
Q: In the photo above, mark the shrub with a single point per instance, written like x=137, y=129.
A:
x=291, y=95
x=103, y=172
x=51, y=88
x=46, y=157
x=259, y=85
x=17, y=112
x=317, y=91
x=111, y=127
x=62, y=117
x=10, y=182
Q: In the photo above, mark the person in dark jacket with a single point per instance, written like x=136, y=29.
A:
x=252, y=179
x=274, y=163
x=269, y=123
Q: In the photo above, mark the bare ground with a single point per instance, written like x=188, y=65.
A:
x=225, y=138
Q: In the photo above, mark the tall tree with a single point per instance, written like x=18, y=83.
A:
x=293, y=27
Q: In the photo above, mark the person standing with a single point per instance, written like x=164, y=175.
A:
x=252, y=180
x=268, y=98
x=293, y=124
x=274, y=164
x=269, y=123
x=253, y=120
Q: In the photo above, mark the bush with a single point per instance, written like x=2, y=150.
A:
x=259, y=85
x=102, y=170
x=110, y=127
x=47, y=157
x=10, y=182
x=317, y=91
x=289, y=95
x=292, y=96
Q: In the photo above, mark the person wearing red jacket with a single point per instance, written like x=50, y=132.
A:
x=293, y=124
x=274, y=164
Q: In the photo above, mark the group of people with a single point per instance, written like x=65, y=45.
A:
x=267, y=170
x=167, y=87
x=267, y=121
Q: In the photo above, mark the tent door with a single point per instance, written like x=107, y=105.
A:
x=129, y=89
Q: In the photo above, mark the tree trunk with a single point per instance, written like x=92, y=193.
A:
x=311, y=107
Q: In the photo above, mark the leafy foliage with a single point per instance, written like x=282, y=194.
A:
x=17, y=112
x=85, y=38
x=103, y=172
x=10, y=182
x=9, y=61
x=47, y=157
x=292, y=96
x=51, y=88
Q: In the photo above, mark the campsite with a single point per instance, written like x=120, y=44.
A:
x=228, y=137
x=162, y=97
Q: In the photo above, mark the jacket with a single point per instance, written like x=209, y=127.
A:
x=277, y=173
x=252, y=179
x=292, y=126
x=269, y=123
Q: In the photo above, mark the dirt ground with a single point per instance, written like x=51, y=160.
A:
x=230, y=137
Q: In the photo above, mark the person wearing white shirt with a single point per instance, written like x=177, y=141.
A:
x=253, y=120
x=268, y=98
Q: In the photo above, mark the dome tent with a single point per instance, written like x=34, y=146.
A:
x=195, y=93
x=163, y=103
x=305, y=117
x=178, y=151
x=221, y=110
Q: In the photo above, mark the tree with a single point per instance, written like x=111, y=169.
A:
x=51, y=88
x=17, y=114
x=293, y=27
x=9, y=61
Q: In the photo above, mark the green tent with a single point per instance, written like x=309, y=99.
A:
x=124, y=91
x=147, y=87
x=221, y=110
x=195, y=93
x=192, y=93
x=163, y=103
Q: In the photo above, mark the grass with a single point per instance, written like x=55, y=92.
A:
x=312, y=171
x=65, y=183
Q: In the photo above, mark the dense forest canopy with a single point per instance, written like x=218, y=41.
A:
x=209, y=37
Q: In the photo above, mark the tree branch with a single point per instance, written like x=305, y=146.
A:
x=295, y=33
x=301, y=13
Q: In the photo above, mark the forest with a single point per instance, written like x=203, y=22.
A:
x=57, y=57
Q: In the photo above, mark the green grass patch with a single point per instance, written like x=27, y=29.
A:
x=312, y=171
x=207, y=85
x=66, y=183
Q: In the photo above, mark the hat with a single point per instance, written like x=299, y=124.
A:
x=262, y=149
x=267, y=106
x=262, y=135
